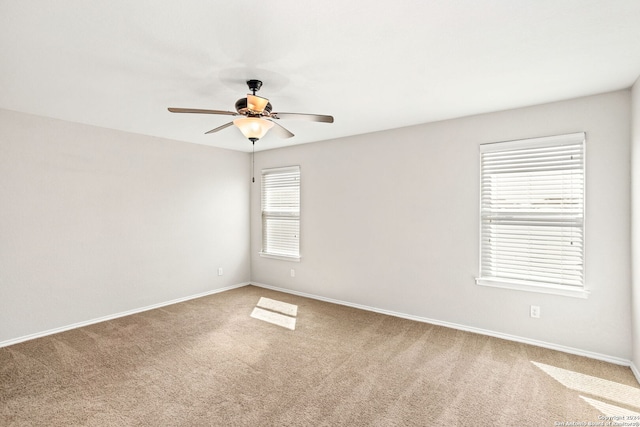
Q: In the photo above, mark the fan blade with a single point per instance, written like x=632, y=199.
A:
x=198, y=111
x=301, y=116
x=219, y=128
x=280, y=130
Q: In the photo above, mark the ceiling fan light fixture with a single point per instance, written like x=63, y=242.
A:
x=256, y=104
x=253, y=127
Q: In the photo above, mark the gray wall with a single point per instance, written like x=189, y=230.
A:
x=390, y=221
x=95, y=222
x=635, y=211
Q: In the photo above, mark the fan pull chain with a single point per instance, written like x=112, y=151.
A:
x=253, y=162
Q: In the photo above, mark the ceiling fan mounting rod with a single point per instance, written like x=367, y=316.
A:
x=254, y=85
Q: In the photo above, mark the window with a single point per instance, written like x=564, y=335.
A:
x=532, y=215
x=281, y=213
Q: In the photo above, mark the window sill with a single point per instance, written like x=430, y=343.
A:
x=280, y=257
x=542, y=289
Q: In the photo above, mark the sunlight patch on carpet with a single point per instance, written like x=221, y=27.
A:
x=279, y=306
x=275, y=318
x=612, y=410
x=598, y=387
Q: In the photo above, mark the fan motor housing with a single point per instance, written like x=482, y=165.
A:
x=241, y=108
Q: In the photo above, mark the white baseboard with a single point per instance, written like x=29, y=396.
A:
x=635, y=371
x=115, y=316
x=551, y=346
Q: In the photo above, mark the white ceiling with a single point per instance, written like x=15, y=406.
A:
x=373, y=65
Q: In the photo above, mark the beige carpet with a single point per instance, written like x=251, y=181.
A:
x=207, y=362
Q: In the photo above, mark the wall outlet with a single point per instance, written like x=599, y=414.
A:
x=220, y=271
x=293, y=273
x=535, y=311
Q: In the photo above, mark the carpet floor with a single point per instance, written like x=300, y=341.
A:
x=213, y=361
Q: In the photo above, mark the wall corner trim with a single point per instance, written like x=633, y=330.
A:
x=635, y=371
x=551, y=346
x=116, y=315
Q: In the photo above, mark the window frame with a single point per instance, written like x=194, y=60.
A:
x=285, y=214
x=579, y=291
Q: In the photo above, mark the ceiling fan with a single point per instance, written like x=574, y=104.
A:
x=257, y=116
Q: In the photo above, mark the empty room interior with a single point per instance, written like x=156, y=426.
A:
x=331, y=213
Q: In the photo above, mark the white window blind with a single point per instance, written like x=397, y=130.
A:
x=532, y=213
x=281, y=212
